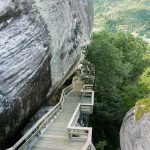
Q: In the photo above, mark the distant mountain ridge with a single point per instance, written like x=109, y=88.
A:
x=123, y=15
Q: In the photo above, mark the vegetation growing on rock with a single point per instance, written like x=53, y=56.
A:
x=142, y=107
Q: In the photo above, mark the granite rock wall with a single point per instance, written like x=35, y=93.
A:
x=135, y=134
x=40, y=41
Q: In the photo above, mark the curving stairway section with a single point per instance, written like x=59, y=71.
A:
x=60, y=129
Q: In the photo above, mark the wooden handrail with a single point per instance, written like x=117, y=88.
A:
x=88, y=130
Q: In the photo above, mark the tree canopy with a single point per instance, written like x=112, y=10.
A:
x=115, y=62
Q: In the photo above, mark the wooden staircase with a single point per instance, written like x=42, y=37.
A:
x=63, y=132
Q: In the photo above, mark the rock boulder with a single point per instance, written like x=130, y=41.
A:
x=40, y=41
x=135, y=134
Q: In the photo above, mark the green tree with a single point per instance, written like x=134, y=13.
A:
x=130, y=94
x=134, y=50
x=145, y=77
x=114, y=63
x=104, y=63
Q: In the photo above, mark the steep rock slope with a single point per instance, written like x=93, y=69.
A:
x=40, y=41
x=135, y=134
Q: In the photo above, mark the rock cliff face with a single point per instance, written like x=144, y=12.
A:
x=40, y=40
x=135, y=135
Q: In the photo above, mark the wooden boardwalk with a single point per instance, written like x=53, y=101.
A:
x=56, y=136
x=59, y=128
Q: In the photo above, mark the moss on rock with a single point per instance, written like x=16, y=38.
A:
x=142, y=107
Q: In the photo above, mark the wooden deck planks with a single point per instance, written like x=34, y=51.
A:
x=56, y=136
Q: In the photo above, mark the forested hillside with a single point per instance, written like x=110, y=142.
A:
x=115, y=62
x=118, y=64
x=123, y=15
